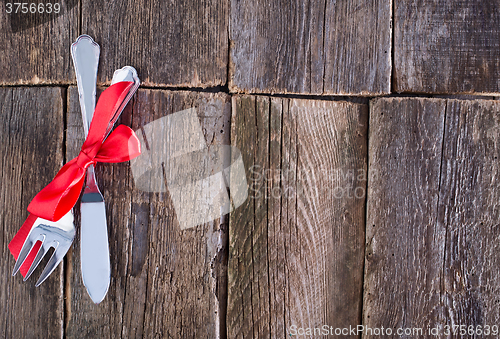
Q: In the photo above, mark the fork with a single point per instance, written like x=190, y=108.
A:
x=58, y=235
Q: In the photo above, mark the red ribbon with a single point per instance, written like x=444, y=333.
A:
x=60, y=195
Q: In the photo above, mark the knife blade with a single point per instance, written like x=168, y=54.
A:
x=94, y=246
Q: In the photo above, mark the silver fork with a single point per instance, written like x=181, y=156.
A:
x=58, y=235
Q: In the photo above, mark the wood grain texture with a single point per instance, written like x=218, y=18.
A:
x=31, y=140
x=469, y=210
x=35, y=47
x=446, y=46
x=310, y=47
x=432, y=214
x=404, y=242
x=297, y=243
x=166, y=282
x=85, y=319
x=172, y=43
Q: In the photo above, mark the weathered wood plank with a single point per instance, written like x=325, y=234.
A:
x=185, y=293
x=165, y=281
x=446, y=46
x=35, y=47
x=310, y=47
x=469, y=205
x=31, y=140
x=404, y=242
x=432, y=211
x=85, y=319
x=297, y=243
x=173, y=43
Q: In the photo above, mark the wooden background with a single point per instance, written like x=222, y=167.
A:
x=370, y=134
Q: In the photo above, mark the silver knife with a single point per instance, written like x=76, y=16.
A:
x=94, y=247
x=94, y=237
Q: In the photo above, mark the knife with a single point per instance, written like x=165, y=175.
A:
x=94, y=247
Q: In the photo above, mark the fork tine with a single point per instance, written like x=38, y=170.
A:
x=25, y=250
x=39, y=256
x=55, y=259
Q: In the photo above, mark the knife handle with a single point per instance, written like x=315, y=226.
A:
x=85, y=53
x=127, y=73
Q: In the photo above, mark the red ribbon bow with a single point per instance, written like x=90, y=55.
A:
x=62, y=193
